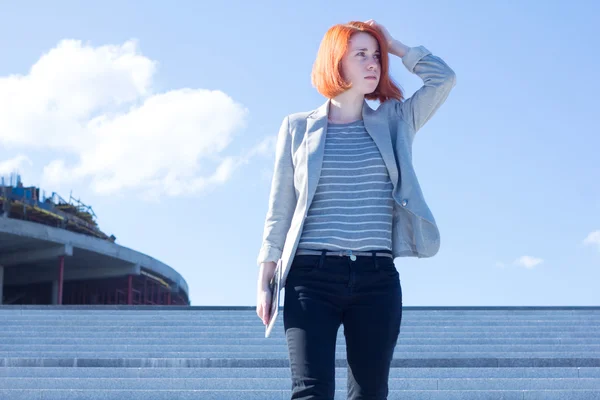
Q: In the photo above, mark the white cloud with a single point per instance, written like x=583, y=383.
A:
x=593, y=239
x=14, y=164
x=97, y=104
x=528, y=262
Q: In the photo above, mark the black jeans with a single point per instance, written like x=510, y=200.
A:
x=323, y=292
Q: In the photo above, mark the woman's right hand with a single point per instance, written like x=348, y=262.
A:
x=263, y=304
x=263, y=292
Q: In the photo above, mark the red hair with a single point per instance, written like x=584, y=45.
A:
x=326, y=74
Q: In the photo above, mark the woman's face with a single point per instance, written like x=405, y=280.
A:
x=361, y=63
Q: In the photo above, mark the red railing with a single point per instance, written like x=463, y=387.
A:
x=134, y=290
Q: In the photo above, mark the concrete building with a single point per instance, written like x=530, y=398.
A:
x=73, y=262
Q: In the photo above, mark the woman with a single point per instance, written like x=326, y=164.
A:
x=344, y=203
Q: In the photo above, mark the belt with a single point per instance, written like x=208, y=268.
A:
x=352, y=254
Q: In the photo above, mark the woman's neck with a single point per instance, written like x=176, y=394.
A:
x=345, y=108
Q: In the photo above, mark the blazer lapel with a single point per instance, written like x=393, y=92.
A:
x=316, y=129
x=379, y=130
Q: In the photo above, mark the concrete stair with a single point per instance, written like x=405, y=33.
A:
x=116, y=352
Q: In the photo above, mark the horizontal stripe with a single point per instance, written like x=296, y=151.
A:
x=329, y=223
x=313, y=215
x=311, y=245
x=346, y=238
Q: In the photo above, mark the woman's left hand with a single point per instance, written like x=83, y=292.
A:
x=388, y=38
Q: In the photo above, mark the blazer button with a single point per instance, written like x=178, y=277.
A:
x=404, y=203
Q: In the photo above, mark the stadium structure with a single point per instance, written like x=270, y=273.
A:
x=53, y=252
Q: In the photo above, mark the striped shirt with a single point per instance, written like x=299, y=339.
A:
x=353, y=204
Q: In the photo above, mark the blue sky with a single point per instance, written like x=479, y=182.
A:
x=163, y=118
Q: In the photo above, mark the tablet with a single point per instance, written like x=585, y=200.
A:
x=275, y=288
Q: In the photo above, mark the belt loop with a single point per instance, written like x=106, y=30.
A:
x=375, y=259
x=322, y=258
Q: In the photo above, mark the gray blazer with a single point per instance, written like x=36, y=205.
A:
x=393, y=125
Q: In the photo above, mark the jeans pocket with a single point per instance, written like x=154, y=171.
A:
x=305, y=264
x=388, y=268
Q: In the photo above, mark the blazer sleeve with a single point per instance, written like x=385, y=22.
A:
x=438, y=79
x=282, y=198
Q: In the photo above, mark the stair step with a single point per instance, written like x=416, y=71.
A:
x=58, y=394
x=265, y=383
x=278, y=334
x=201, y=349
x=15, y=342
x=284, y=372
x=268, y=362
x=157, y=353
